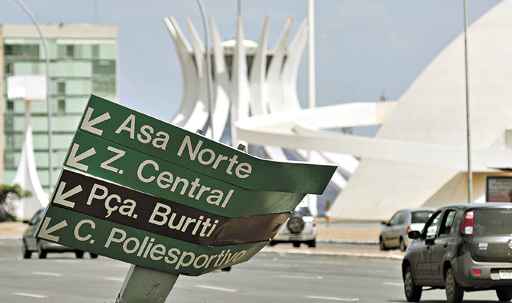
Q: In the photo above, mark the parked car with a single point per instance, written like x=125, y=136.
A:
x=394, y=232
x=462, y=248
x=30, y=244
x=300, y=228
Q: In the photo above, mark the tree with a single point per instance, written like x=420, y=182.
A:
x=8, y=191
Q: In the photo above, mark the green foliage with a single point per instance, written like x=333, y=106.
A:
x=8, y=191
x=15, y=190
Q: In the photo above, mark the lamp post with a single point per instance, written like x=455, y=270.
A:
x=48, y=105
x=468, y=112
x=209, y=85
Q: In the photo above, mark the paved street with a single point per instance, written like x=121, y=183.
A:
x=269, y=277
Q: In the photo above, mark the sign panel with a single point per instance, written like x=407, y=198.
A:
x=142, y=172
x=499, y=189
x=107, y=201
x=139, y=247
x=134, y=130
x=180, y=203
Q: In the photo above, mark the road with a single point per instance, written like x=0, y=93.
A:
x=269, y=277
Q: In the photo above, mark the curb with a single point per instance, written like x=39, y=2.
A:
x=10, y=237
x=351, y=242
x=339, y=254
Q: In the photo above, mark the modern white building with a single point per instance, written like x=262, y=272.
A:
x=418, y=157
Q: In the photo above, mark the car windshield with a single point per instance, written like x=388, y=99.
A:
x=303, y=211
x=421, y=216
x=490, y=222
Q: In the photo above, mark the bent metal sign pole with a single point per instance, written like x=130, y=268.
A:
x=166, y=200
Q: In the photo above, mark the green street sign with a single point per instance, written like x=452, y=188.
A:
x=149, y=193
x=139, y=247
x=107, y=201
x=134, y=130
x=154, y=176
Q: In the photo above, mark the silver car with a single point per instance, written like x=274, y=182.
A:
x=300, y=228
x=394, y=232
x=31, y=244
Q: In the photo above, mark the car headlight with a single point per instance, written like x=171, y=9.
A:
x=295, y=225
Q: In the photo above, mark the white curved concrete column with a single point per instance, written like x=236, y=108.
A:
x=240, y=82
x=199, y=114
x=258, y=78
x=183, y=51
x=221, y=85
x=274, y=80
x=28, y=179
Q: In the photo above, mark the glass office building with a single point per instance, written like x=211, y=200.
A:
x=83, y=61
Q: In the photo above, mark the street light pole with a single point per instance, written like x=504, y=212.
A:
x=48, y=105
x=311, y=55
x=209, y=85
x=468, y=112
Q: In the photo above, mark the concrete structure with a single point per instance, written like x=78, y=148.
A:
x=249, y=80
x=83, y=60
x=418, y=157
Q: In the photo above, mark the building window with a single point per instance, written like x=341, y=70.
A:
x=61, y=88
x=10, y=106
x=61, y=106
x=70, y=51
x=96, y=51
x=22, y=50
x=8, y=69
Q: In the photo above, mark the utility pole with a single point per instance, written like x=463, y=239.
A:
x=468, y=108
x=47, y=75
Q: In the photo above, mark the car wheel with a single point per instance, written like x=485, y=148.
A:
x=226, y=268
x=412, y=291
x=42, y=254
x=504, y=294
x=382, y=245
x=296, y=244
x=311, y=243
x=403, y=246
x=93, y=256
x=79, y=254
x=454, y=293
x=26, y=253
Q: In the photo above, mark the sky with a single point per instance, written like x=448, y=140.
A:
x=365, y=48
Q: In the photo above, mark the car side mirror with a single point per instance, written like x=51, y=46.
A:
x=27, y=222
x=414, y=234
x=385, y=223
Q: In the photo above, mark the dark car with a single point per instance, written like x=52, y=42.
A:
x=462, y=248
x=31, y=244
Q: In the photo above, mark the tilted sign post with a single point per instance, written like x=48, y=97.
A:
x=146, y=192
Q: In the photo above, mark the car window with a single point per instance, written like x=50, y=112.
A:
x=432, y=225
x=448, y=219
x=395, y=219
x=493, y=221
x=37, y=217
x=421, y=216
x=401, y=218
x=303, y=211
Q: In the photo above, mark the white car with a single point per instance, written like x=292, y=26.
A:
x=394, y=233
x=300, y=228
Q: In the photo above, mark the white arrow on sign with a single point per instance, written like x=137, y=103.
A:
x=45, y=231
x=74, y=159
x=61, y=196
x=88, y=124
